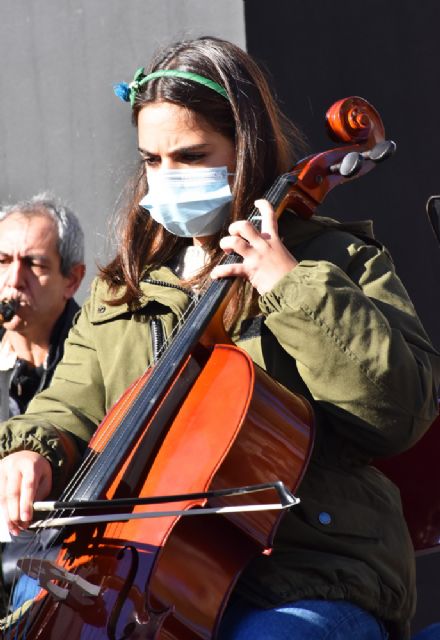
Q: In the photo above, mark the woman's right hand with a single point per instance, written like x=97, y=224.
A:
x=265, y=258
x=25, y=476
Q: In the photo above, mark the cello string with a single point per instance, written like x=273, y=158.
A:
x=89, y=462
x=90, y=459
x=272, y=195
x=119, y=435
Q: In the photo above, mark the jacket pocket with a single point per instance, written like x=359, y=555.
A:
x=347, y=519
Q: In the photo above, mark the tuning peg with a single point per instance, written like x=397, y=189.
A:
x=352, y=162
x=349, y=166
x=381, y=151
x=433, y=211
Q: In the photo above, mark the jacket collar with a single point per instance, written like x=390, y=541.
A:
x=295, y=230
x=59, y=333
x=158, y=285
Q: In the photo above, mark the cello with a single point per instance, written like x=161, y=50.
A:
x=135, y=575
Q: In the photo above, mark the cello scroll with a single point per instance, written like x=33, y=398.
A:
x=357, y=124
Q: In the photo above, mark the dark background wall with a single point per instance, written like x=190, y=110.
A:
x=387, y=52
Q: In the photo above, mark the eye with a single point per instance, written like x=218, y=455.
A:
x=192, y=158
x=36, y=265
x=150, y=160
x=39, y=268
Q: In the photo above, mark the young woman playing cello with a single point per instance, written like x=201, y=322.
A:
x=320, y=308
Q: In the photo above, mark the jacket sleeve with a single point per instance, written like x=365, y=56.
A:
x=359, y=347
x=60, y=420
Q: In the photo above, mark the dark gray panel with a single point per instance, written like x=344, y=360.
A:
x=387, y=52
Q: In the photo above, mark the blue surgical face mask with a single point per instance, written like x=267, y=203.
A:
x=189, y=203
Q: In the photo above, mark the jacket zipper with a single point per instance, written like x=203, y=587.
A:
x=156, y=326
x=171, y=285
x=157, y=337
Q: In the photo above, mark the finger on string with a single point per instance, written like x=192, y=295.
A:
x=226, y=271
x=245, y=230
x=269, y=224
x=236, y=244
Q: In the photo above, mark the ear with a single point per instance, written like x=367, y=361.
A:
x=73, y=280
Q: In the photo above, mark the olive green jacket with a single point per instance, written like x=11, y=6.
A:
x=339, y=329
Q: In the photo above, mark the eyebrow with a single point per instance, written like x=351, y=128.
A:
x=28, y=256
x=192, y=147
x=37, y=256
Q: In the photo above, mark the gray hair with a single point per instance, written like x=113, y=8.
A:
x=69, y=231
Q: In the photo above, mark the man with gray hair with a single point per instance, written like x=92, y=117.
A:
x=41, y=268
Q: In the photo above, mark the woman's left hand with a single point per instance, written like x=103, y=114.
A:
x=265, y=259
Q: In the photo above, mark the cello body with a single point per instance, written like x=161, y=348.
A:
x=240, y=427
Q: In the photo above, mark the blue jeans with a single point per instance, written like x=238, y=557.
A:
x=302, y=620
x=25, y=589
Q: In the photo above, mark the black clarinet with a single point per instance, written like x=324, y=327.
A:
x=8, y=309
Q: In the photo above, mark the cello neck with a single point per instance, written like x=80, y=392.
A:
x=154, y=386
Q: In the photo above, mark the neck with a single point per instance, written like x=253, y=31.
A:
x=33, y=349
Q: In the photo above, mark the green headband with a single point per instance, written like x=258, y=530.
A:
x=128, y=92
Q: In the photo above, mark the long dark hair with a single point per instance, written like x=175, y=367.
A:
x=265, y=142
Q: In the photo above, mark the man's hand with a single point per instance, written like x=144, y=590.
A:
x=25, y=476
